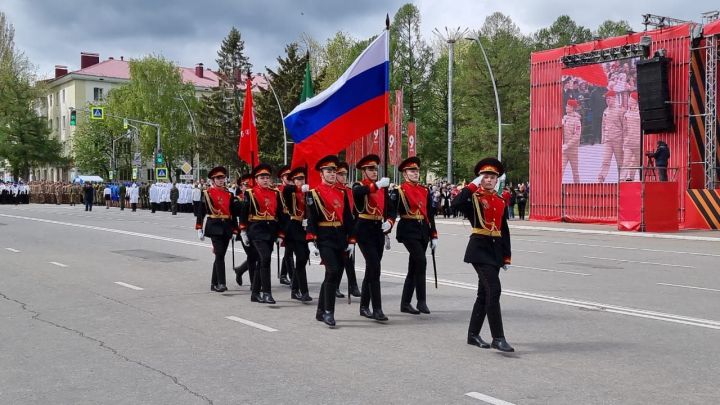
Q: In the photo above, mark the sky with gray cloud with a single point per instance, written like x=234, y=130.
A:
x=54, y=32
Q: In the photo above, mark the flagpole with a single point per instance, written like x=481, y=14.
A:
x=282, y=118
x=387, y=101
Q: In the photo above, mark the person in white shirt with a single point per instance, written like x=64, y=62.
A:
x=134, y=195
x=153, y=197
x=108, y=196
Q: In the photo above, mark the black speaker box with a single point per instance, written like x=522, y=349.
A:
x=654, y=95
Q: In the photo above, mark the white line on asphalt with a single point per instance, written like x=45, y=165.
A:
x=488, y=399
x=13, y=250
x=638, y=262
x=689, y=286
x=251, y=323
x=549, y=270
x=595, y=306
x=528, y=251
x=59, y=264
x=616, y=247
x=133, y=287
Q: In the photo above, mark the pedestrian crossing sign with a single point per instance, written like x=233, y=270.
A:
x=97, y=113
x=134, y=173
x=161, y=173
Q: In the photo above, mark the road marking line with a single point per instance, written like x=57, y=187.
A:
x=251, y=323
x=133, y=287
x=488, y=399
x=528, y=251
x=59, y=264
x=638, y=262
x=549, y=270
x=615, y=247
x=689, y=286
x=13, y=250
x=595, y=306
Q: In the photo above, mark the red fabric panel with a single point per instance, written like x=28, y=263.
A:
x=630, y=206
x=661, y=212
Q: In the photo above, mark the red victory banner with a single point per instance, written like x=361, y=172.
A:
x=248, y=144
x=412, y=139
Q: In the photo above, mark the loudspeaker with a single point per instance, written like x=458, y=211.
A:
x=654, y=95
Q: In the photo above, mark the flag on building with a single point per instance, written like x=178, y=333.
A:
x=248, y=145
x=353, y=106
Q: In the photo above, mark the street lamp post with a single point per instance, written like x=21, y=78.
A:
x=450, y=38
x=192, y=121
x=497, y=99
x=282, y=119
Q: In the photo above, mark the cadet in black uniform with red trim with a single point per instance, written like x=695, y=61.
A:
x=488, y=249
x=415, y=230
x=221, y=224
x=286, y=269
x=348, y=259
x=374, y=220
x=243, y=183
x=328, y=233
x=295, y=235
x=261, y=224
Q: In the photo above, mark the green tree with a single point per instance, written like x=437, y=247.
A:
x=220, y=113
x=564, y=31
x=611, y=28
x=24, y=140
x=338, y=54
x=432, y=118
x=287, y=81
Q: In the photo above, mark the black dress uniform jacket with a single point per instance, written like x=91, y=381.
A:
x=253, y=209
x=294, y=229
x=411, y=225
x=216, y=203
x=367, y=229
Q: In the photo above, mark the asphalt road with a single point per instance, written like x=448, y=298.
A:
x=113, y=307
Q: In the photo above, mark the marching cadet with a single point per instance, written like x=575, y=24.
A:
x=374, y=221
x=287, y=262
x=488, y=249
x=328, y=233
x=295, y=236
x=415, y=230
x=244, y=182
x=261, y=224
x=348, y=259
x=220, y=226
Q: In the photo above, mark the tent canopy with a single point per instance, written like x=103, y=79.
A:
x=83, y=179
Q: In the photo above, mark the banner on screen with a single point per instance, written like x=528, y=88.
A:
x=601, y=123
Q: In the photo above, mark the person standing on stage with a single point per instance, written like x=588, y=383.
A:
x=348, y=259
x=415, y=230
x=295, y=235
x=612, y=135
x=221, y=224
x=261, y=223
x=286, y=270
x=572, y=132
x=488, y=250
x=328, y=233
x=374, y=221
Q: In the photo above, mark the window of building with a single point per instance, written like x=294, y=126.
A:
x=57, y=123
x=97, y=94
x=64, y=124
x=63, y=96
x=50, y=124
x=50, y=100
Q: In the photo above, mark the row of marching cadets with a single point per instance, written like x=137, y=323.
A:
x=328, y=222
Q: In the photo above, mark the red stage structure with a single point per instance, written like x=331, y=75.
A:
x=690, y=198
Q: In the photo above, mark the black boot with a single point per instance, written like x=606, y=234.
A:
x=284, y=280
x=339, y=294
x=422, y=307
x=408, y=309
x=329, y=318
x=365, y=311
x=268, y=298
x=306, y=298
x=502, y=345
x=295, y=294
x=319, y=315
x=213, y=287
x=257, y=298
x=354, y=291
x=222, y=288
x=378, y=315
x=476, y=340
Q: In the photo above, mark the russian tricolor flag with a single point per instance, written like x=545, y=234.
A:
x=355, y=105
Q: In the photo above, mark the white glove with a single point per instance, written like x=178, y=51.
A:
x=244, y=238
x=506, y=267
x=201, y=234
x=433, y=244
x=386, y=226
x=350, y=249
x=387, y=242
x=305, y=188
x=477, y=181
x=279, y=241
x=313, y=249
x=384, y=182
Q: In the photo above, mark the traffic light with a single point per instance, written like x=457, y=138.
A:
x=159, y=158
x=73, y=118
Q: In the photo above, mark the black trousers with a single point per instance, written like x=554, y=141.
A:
x=372, y=251
x=662, y=173
x=220, y=247
x=302, y=254
x=88, y=205
x=261, y=278
x=122, y=203
x=332, y=258
x=174, y=208
x=417, y=268
x=487, y=301
x=286, y=268
x=521, y=210
x=153, y=207
x=133, y=206
x=349, y=268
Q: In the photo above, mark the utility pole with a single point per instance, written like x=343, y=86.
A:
x=450, y=36
x=497, y=98
x=282, y=119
